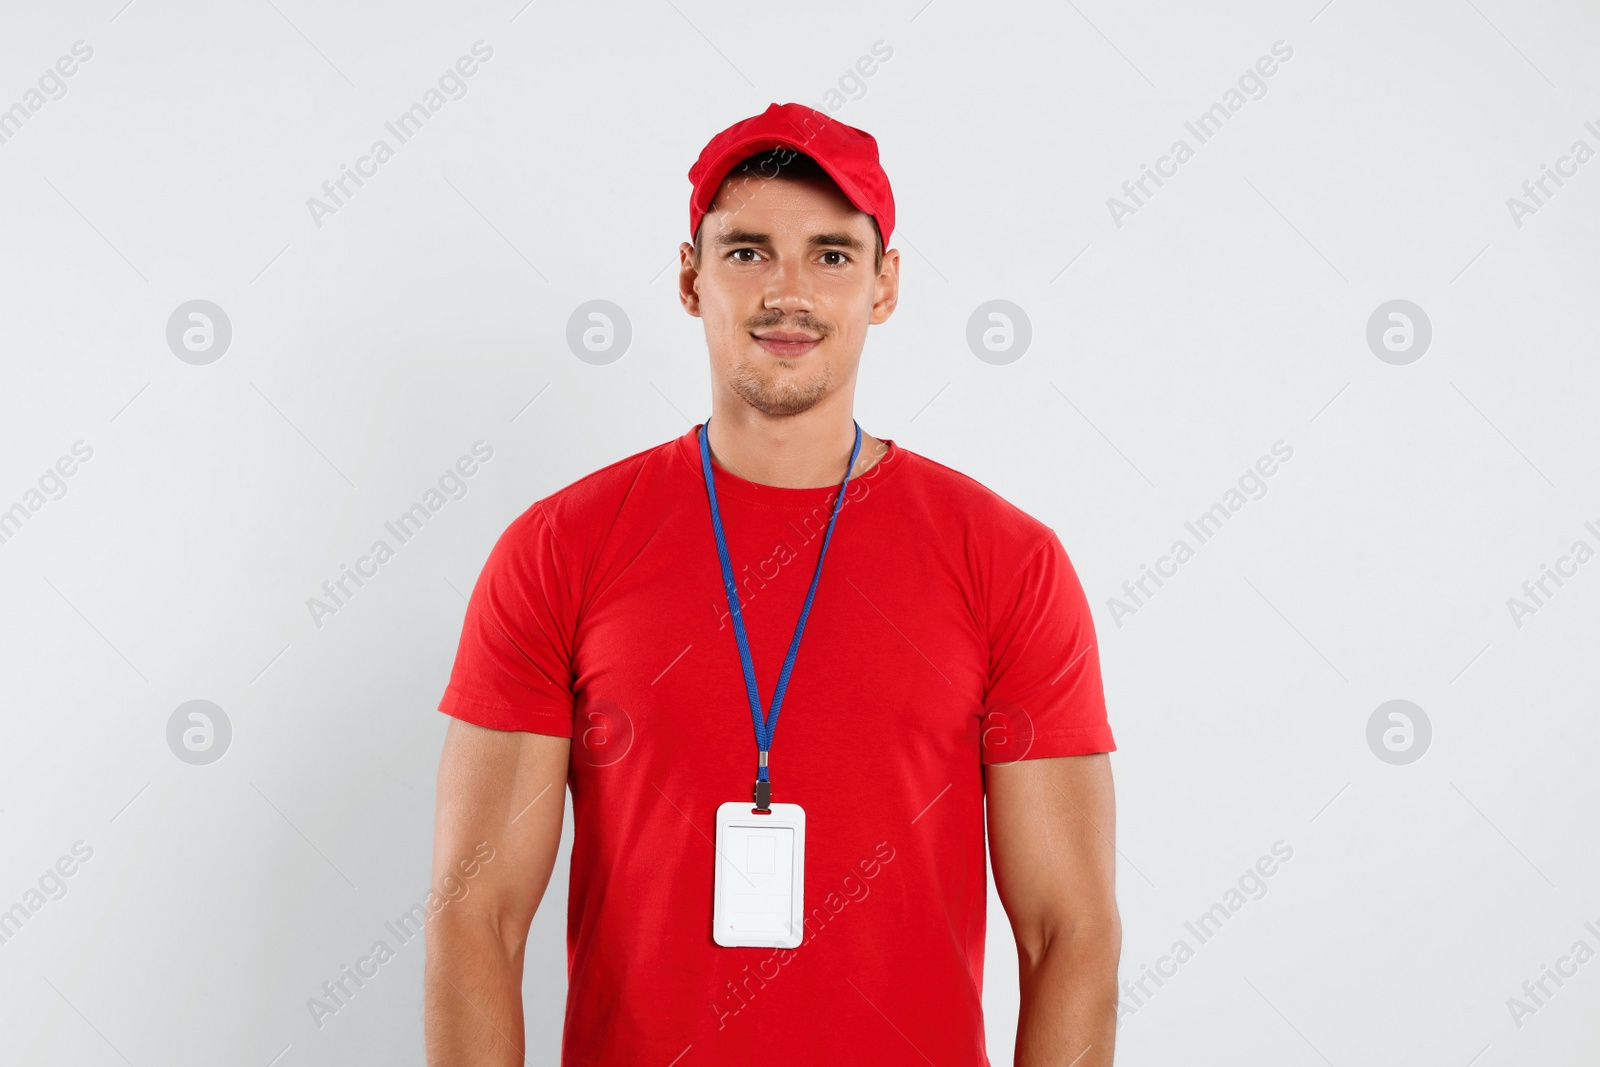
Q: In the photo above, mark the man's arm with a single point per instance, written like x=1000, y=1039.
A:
x=1051, y=830
x=505, y=789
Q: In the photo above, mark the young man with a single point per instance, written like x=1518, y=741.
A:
x=740, y=894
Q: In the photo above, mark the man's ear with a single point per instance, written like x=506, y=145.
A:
x=887, y=296
x=688, y=273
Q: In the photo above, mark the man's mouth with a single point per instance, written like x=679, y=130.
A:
x=786, y=343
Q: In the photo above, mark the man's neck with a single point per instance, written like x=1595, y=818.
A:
x=804, y=451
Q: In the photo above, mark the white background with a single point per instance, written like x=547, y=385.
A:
x=1228, y=312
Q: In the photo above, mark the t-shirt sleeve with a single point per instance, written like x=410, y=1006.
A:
x=1045, y=695
x=513, y=667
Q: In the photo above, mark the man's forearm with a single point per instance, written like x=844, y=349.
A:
x=1068, y=1016
x=474, y=995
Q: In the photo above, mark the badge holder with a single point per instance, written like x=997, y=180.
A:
x=760, y=879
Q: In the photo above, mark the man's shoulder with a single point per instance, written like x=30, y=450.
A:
x=594, y=501
x=613, y=483
x=957, y=497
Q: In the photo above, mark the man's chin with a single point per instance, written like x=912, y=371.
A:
x=780, y=387
x=778, y=400
x=779, y=406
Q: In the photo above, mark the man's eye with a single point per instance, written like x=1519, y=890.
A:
x=738, y=253
x=839, y=262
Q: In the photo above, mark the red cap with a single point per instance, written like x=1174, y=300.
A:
x=849, y=155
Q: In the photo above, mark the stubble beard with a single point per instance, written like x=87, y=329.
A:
x=786, y=391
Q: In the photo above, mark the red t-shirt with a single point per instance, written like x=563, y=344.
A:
x=949, y=631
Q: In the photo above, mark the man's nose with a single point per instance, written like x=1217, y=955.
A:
x=788, y=289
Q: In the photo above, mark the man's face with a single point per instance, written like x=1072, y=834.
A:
x=786, y=288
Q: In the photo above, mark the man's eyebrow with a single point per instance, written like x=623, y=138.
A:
x=742, y=237
x=840, y=240
x=751, y=237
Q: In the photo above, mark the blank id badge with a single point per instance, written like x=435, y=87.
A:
x=761, y=876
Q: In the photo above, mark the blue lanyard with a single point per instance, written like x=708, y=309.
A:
x=765, y=724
